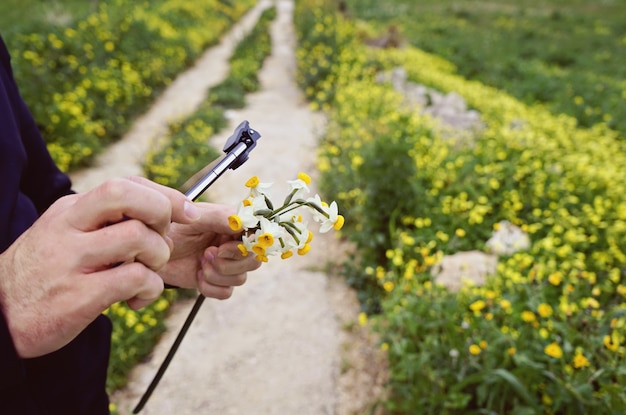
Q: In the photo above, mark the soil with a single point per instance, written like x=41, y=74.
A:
x=288, y=341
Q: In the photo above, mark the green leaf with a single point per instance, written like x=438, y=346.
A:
x=517, y=386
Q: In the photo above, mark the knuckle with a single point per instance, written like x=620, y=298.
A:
x=135, y=230
x=114, y=188
x=224, y=293
x=240, y=279
x=137, y=273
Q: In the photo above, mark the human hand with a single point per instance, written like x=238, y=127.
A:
x=205, y=255
x=86, y=252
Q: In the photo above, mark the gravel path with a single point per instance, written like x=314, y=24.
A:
x=275, y=346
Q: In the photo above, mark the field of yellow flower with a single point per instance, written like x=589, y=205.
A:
x=85, y=82
x=545, y=334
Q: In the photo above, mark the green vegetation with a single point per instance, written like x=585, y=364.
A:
x=24, y=16
x=86, y=81
x=545, y=334
x=568, y=55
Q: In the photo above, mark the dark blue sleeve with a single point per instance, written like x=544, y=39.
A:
x=24, y=155
x=15, y=213
x=29, y=183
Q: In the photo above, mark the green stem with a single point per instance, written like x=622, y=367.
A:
x=298, y=203
x=292, y=233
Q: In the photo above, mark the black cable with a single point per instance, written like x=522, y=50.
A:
x=170, y=354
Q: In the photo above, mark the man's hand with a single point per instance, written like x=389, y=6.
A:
x=206, y=256
x=85, y=253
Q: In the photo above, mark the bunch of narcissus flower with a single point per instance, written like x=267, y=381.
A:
x=269, y=230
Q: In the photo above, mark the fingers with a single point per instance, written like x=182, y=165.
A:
x=223, y=269
x=132, y=282
x=215, y=218
x=135, y=198
x=125, y=241
x=228, y=260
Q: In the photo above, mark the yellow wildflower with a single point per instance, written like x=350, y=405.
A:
x=546, y=399
x=553, y=350
x=611, y=342
x=528, y=316
x=544, y=310
x=580, y=361
x=555, y=278
x=477, y=305
x=475, y=349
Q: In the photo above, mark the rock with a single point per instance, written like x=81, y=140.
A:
x=450, y=109
x=458, y=268
x=508, y=239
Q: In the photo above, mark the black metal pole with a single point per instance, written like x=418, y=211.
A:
x=170, y=354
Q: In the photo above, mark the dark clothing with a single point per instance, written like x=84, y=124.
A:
x=72, y=379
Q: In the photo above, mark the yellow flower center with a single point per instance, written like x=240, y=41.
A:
x=266, y=240
x=235, y=223
x=242, y=249
x=253, y=182
x=304, y=250
x=339, y=223
x=304, y=177
x=258, y=249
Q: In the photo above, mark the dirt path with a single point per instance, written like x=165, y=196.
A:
x=277, y=346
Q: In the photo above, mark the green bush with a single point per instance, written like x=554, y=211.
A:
x=545, y=334
x=185, y=149
x=245, y=63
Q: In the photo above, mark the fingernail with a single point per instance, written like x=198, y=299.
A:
x=209, y=257
x=191, y=211
x=226, y=254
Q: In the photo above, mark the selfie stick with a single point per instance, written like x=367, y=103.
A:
x=237, y=149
